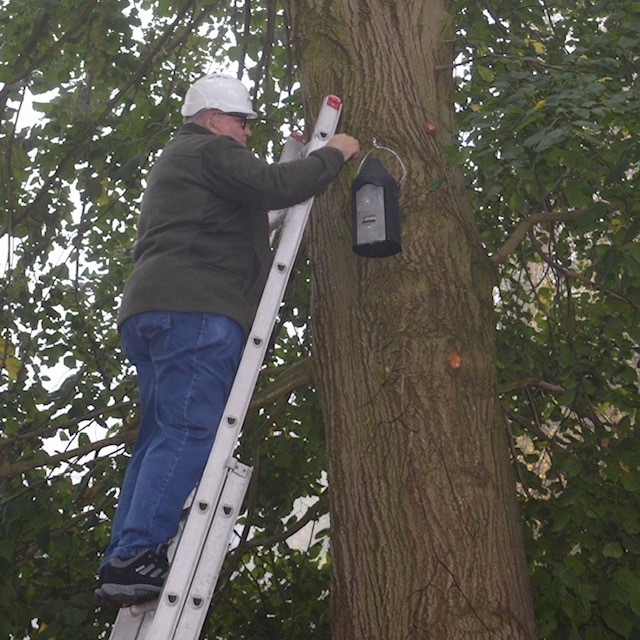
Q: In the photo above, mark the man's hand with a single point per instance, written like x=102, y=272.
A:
x=349, y=146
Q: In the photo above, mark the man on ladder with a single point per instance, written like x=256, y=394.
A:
x=201, y=262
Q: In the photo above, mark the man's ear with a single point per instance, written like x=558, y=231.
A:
x=207, y=121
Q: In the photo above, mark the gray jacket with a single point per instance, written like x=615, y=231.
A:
x=203, y=231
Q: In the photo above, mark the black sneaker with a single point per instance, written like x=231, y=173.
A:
x=132, y=580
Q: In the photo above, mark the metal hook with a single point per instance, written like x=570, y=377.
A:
x=377, y=146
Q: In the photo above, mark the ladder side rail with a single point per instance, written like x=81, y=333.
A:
x=173, y=596
x=214, y=551
x=291, y=151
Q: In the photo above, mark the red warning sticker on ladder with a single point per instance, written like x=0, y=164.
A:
x=334, y=101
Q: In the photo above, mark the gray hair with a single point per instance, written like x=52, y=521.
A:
x=195, y=117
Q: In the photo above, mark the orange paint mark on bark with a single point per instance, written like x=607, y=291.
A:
x=455, y=360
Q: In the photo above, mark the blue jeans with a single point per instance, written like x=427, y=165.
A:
x=186, y=363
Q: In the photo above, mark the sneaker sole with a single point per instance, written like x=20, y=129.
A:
x=116, y=596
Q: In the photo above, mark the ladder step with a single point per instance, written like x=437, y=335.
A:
x=133, y=623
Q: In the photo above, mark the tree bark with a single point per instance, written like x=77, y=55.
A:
x=426, y=534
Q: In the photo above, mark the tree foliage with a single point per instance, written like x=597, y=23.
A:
x=548, y=106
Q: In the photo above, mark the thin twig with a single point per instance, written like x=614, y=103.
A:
x=530, y=382
x=514, y=454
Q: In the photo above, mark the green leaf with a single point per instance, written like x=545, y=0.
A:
x=545, y=139
x=612, y=550
x=578, y=195
x=627, y=580
x=486, y=74
x=617, y=621
x=631, y=482
x=595, y=212
x=560, y=521
x=634, y=603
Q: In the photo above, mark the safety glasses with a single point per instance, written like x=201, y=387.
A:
x=241, y=116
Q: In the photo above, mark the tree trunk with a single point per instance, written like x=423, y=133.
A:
x=426, y=534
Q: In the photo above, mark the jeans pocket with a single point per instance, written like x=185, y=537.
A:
x=150, y=324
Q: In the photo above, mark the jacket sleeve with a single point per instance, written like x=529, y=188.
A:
x=234, y=173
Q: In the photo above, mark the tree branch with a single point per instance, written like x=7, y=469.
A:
x=50, y=430
x=496, y=19
x=234, y=556
x=520, y=232
x=108, y=107
x=512, y=58
x=529, y=382
x=262, y=73
x=532, y=427
x=124, y=437
x=80, y=21
x=296, y=376
x=512, y=415
x=309, y=516
x=514, y=454
x=245, y=40
x=574, y=275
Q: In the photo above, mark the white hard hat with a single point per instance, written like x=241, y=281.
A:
x=218, y=91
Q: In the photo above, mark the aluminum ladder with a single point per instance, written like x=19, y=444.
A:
x=200, y=547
